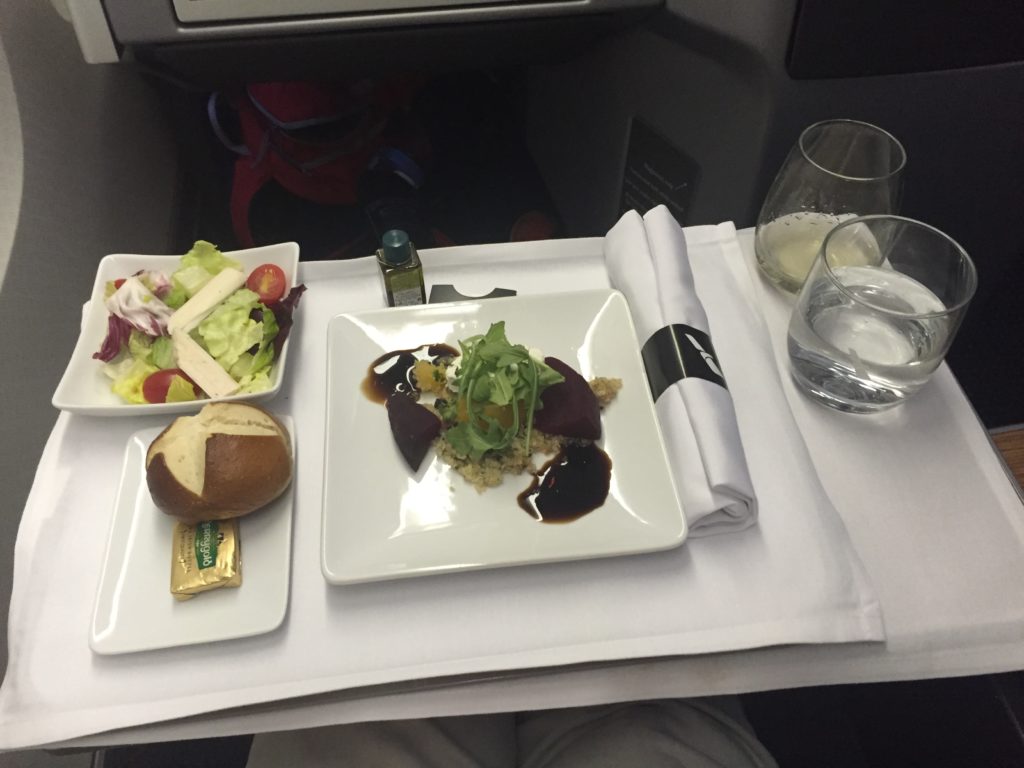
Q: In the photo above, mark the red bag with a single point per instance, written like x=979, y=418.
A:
x=314, y=139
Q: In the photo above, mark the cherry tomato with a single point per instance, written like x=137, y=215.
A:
x=118, y=283
x=268, y=281
x=154, y=388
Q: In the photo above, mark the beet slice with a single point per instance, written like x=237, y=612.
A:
x=413, y=427
x=570, y=407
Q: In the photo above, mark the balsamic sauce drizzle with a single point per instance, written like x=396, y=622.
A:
x=392, y=371
x=573, y=483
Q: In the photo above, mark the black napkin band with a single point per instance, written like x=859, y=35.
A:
x=677, y=351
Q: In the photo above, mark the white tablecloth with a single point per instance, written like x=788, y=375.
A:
x=946, y=569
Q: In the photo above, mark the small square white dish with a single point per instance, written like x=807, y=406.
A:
x=381, y=521
x=134, y=608
x=84, y=388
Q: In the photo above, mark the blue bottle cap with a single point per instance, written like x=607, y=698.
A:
x=396, y=247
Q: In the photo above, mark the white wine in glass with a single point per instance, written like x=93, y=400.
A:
x=837, y=170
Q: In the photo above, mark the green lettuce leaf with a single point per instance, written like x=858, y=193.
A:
x=198, y=267
x=140, y=345
x=207, y=256
x=128, y=375
x=180, y=391
x=243, y=346
x=177, y=296
x=229, y=330
x=187, y=281
x=161, y=352
x=252, y=371
x=248, y=365
x=153, y=350
x=258, y=382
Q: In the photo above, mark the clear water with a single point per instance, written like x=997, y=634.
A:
x=858, y=359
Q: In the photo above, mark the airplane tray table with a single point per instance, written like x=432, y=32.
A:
x=927, y=503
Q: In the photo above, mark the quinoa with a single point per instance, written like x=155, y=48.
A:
x=605, y=389
x=490, y=470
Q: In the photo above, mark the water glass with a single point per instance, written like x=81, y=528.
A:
x=838, y=169
x=878, y=312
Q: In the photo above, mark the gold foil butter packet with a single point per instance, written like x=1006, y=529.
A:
x=205, y=556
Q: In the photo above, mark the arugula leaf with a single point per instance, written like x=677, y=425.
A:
x=496, y=373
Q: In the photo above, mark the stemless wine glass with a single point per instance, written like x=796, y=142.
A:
x=878, y=312
x=838, y=169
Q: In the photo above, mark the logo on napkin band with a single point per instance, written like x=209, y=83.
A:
x=676, y=352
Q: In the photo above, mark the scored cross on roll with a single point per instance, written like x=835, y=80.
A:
x=228, y=460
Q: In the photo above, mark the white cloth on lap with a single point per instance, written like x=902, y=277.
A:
x=480, y=741
x=669, y=733
x=653, y=734
x=647, y=260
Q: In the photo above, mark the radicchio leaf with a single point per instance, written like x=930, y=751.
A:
x=283, y=310
x=134, y=302
x=157, y=282
x=118, y=332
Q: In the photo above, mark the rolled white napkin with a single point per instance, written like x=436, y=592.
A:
x=647, y=261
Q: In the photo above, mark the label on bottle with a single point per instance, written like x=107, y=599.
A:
x=403, y=283
x=407, y=297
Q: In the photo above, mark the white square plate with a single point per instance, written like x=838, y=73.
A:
x=380, y=521
x=135, y=610
x=84, y=388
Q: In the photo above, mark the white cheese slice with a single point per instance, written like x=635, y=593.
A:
x=201, y=367
x=192, y=312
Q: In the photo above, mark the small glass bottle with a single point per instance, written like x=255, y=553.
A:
x=401, y=269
